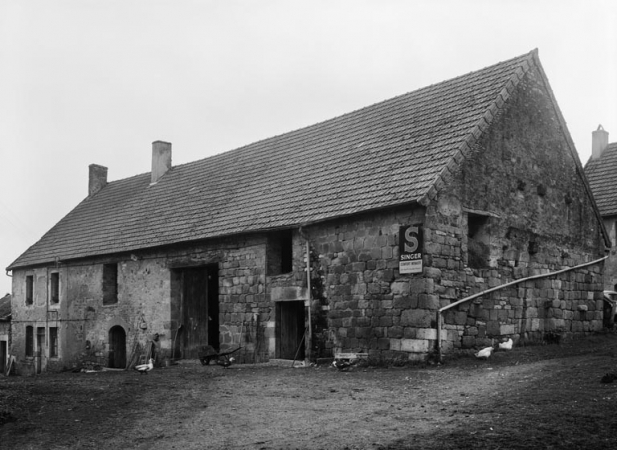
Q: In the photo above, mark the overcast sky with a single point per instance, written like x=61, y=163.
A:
x=87, y=81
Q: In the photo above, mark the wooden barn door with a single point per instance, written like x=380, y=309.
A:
x=213, y=307
x=194, y=310
x=290, y=326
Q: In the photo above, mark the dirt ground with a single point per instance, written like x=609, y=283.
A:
x=535, y=397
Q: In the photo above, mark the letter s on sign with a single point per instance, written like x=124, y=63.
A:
x=411, y=242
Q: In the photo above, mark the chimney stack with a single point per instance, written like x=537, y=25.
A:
x=97, y=178
x=161, y=159
x=599, y=142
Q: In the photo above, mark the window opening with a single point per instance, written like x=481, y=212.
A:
x=478, y=239
x=55, y=287
x=53, y=342
x=29, y=289
x=110, y=284
x=29, y=341
x=280, y=252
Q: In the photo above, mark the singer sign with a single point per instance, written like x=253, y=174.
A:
x=410, y=249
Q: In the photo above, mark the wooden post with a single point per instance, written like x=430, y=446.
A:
x=438, y=343
x=309, y=338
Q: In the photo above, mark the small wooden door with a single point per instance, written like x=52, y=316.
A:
x=290, y=327
x=117, y=348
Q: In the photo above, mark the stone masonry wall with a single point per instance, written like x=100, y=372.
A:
x=539, y=219
x=516, y=207
x=370, y=307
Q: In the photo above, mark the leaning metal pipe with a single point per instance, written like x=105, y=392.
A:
x=497, y=288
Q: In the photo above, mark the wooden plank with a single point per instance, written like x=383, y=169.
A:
x=350, y=355
x=9, y=365
x=195, y=310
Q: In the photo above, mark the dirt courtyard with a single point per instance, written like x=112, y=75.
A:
x=534, y=397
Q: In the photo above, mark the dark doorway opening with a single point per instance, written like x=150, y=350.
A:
x=213, y=307
x=290, y=327
x=40, y=348
x=199, y=310
x=478, y=240
x=117, y=348
x=3, y=358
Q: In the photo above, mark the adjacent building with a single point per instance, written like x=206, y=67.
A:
x=345, y=236
x=600, y=170
x=5, y=330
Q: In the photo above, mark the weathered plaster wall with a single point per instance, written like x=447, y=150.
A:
x=149, y=300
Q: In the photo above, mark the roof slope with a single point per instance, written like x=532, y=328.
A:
x=394, y=152
x=601, y=175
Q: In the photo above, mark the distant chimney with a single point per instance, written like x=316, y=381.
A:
x=97, y=178
x=599, y=142
x=161, y=159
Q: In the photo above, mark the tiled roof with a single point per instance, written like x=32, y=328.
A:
x=601, y=175
x=5, y=307
x=394, y=152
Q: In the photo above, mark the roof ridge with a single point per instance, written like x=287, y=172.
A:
x=277, y=137
x=402, y=148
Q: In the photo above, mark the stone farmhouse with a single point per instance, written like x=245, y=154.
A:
x=359, y=234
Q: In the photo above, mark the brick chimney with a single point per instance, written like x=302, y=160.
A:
x=599, y=142
x=97, y=178
x=161, y=159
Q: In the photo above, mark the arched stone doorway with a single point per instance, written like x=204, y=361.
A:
x=117, y=347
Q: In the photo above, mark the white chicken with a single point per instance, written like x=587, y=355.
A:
x=145, y=368
x=507, y=345
x=484, y=353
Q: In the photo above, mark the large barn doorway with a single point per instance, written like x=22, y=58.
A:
x=200, y=309
x=290, y=329
x=117, y=347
